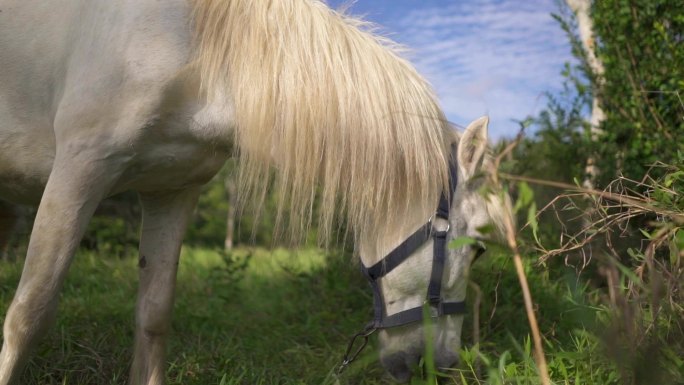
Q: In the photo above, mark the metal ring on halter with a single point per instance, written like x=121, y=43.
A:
x=445, y=230
x=429, y=221
x=448, y=227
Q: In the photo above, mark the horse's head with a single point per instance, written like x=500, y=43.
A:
x=404, y=287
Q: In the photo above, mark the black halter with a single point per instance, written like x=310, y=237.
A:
x=437, y=306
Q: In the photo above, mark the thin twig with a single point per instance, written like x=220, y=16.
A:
x=628, y=201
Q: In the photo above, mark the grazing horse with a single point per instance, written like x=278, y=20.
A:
x=102, y=96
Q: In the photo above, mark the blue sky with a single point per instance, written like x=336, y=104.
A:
x=483, y=57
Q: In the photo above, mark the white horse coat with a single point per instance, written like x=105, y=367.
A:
x=100, y=80
x=93, y=101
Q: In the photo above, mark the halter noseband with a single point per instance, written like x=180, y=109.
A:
x=437, y=306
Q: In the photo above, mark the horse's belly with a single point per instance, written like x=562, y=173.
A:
x=172, y=166
x=27, y=152
x=26, y=158
x=21, y=188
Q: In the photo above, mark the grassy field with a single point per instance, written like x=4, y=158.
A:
x=284, y=317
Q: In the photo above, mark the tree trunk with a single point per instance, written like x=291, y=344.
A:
x=582, y=9
x=232, y=203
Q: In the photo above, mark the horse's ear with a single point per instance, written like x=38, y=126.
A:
x=472, y=147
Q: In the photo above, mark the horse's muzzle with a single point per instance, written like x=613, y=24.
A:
x=401, y=365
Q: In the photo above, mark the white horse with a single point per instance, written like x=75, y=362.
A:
x=101, y=96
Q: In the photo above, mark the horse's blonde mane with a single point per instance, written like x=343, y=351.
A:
x=327, y=104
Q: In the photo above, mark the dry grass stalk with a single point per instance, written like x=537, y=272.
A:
x=509, y=225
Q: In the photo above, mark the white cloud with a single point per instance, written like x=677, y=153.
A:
x=493, y=57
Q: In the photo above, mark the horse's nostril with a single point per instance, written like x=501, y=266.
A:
x=400, y=365
x=446, y=360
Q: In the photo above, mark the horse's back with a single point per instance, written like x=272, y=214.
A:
x=97, y=72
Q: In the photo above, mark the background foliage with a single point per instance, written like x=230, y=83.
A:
x=640, y=44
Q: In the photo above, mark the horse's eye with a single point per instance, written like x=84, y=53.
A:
x=480, y=249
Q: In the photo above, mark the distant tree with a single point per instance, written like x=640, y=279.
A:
x=630, y=77
x=632, y=73
x=231, y=190
x=585, y=27
x=641, y=46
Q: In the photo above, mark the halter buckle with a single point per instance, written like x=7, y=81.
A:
x=434, y=306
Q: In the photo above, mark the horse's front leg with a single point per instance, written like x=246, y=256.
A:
x=165, y=218
x=77, y=183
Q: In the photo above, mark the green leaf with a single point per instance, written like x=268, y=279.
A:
x=486, y=229
x=462, y=241
x=671, y=178
x=525, y=196
x=646, y=234
x=679, y=239
x=629, y=274
x=677, y=248
x=532, y=220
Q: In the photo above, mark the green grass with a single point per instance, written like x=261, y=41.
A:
x=284, y=317
x=251, y=318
